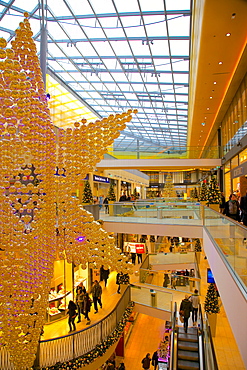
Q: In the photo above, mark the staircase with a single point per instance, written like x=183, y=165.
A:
x=188, y=354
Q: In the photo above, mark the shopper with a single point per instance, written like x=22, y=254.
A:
x=96, y=294
x=72, y=315
x=121, y=366
x=87, y=307
x=106, y=204
x=243, y=207
x=133, y=258
x=232, y=208
x=104, y=274
x=80, y=291
x=195, y=300
x=146, y=361
x=166, y=280
x=155, y=359
x=185, y=310
x=119, y=279
x=139, y=258
x=222, y=202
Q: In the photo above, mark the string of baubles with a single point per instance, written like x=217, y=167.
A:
x=32, y=203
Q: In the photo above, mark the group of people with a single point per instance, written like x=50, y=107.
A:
x=233, y=208
x=188, y=305
x=83, y=304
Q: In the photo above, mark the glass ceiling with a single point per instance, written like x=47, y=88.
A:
x=117, y=55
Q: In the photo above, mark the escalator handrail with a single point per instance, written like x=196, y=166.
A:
x=173, y=355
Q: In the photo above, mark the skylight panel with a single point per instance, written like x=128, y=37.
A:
x=58, y=7
x=177, y=5
x=120, y=48
x=160, y=47
x=179, y=25
x=126, y=6
x=181, y=78
x=101, y=7
x=179, y=47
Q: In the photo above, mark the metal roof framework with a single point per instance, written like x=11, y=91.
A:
x=117, y=55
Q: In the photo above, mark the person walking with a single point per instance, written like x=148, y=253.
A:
x=80, y=291
x=72, y=315
x=133, y=258
x=146, y=361
x=96, y=294
x=232, y=208
x=119, y=279
x=185, y=310
x=243, y=207
x=195, y=300
x=87, y=307
x=121, y=366
x=155, y=359
x=104, y=274
x=106, y=204
x=222, y=202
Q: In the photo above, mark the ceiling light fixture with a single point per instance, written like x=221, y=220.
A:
x=211, y=97
x=228, y=34
x=215, y=82
x=220, y=62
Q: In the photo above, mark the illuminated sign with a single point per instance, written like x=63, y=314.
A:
x=134, y=247
x=101, y=179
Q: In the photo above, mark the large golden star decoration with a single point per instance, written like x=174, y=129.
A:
x=34, y=201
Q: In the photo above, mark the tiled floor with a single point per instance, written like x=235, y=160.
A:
x=148, y=331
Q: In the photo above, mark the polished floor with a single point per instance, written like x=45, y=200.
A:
x=147, y=331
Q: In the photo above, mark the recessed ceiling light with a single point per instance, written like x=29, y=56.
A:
x=205, y=117
x=211, y=97
x=215, y=82
x=220, y=62
x=228, y=34
x=207, y=108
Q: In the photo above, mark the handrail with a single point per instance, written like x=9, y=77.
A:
x=74, y=345
x=173, y=349
x=201, y=339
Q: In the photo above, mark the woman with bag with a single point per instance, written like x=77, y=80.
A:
x=185, y=309
x=72, y=315
x=87, y=307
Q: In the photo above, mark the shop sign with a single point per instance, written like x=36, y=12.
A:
x=134, y=247
x=101, y=179
x=239, y=171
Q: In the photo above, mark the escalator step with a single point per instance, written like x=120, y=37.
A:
x=191, y=330
x=186, y=337
x=188, y=365
x=188, y=346
x=188, y=355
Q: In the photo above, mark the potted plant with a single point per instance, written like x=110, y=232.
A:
x=111, y=198
x=214, y=195
x=211, y=306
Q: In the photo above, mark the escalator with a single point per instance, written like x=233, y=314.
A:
x=188, y=349
x=192, y=350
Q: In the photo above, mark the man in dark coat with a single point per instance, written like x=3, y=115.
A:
x=96, y=294
x=185, y=310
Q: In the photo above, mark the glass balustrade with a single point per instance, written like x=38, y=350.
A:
x=231, y=238
x=151, y=297
x=177, y=213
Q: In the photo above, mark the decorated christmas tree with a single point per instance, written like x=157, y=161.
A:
x=195, y=193
x=169, y=190
x=204, y=192
x=211, y=303
x=87, y=196
x=214, y=196
x=198, y=246
x=111, y=194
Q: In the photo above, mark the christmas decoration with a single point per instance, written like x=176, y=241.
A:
x=211, y=304
x=39, y=219
x=198, y=246
x=195, y=193
x=214, y=195
x=169, y=190
x=87, y=196
x=111, y=194
x=204, y=192
x=100, y=349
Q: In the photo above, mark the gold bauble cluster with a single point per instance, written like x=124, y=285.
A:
x=34, y=201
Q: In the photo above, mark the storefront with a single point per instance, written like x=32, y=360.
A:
x=65, y=280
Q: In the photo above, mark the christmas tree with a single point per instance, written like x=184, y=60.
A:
x=198, y=246
x=211, y=304
x=204, y=192
x=87, y=196
x=169, y=190
x=195, y=193
x=214, y=196
x=111, y=194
